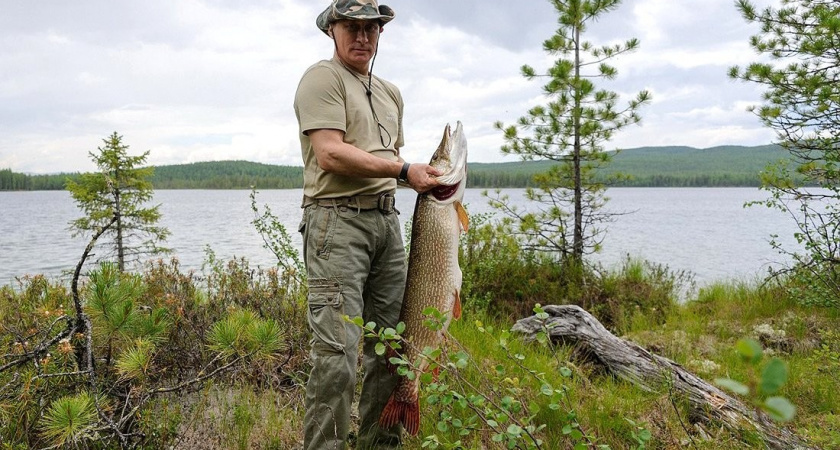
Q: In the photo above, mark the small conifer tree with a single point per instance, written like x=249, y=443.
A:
x=119, y=191
x=570, y=129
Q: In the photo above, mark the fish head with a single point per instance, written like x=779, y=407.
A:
x=451, y=159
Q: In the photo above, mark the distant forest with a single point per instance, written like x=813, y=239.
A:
x=643, y=167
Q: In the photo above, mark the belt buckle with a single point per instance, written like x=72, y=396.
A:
x=385, y=203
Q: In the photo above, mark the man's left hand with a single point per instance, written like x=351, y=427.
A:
x=422, y=177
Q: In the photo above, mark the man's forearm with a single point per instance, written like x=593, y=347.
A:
x=345, y=159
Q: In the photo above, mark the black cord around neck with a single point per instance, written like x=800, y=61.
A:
x=369, y=92
x=368, y=88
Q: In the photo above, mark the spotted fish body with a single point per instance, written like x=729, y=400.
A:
x=434, y=276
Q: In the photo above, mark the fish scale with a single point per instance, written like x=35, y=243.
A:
x=434, y=276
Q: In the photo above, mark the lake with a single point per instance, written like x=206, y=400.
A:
x=706, y=231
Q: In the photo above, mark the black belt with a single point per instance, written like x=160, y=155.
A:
x=383, y=202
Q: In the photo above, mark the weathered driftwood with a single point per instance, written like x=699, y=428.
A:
x=572, y=324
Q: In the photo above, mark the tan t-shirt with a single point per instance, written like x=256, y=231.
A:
x=331, y=96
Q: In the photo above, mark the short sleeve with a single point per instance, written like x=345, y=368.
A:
x=320, y=100
x=400, y=134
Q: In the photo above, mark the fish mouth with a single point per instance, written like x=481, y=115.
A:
x=444, y=192
x=451, y=158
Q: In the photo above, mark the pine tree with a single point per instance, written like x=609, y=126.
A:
x=571, y=130
x=801, y=41
x=118, y=192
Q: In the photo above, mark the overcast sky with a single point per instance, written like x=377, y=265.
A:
x=204, y=80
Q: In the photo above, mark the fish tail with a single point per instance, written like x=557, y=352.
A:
x=406, y=413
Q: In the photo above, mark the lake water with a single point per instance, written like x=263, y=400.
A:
x=706, y=231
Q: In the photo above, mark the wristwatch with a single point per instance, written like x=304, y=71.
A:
x=404, y=173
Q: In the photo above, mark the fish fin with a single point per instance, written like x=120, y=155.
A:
x=456, y=309
x=406, y=413
x=462, y=216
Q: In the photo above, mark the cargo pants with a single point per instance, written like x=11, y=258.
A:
x=355, y=262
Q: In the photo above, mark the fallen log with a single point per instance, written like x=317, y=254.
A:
x=628, y=361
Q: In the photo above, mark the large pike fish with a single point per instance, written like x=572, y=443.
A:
x=434, y=277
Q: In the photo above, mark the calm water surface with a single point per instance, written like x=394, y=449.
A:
x=703, y=230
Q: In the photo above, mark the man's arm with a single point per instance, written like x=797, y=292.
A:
x=338, y=157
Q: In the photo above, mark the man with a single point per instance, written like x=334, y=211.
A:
x=351, y=134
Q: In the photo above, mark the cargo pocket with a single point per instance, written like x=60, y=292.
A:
x=325, y=229
x=326, y=315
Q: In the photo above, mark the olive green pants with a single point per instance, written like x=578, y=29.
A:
x=355, y=262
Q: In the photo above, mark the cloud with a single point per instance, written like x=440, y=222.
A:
x=198, y=80
x=511, y=25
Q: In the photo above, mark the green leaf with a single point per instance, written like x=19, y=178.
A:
x=750, y=350
x=732, y=385
x=462, y=359
x=773, y=377
x=546, y=389
x=379, y=348
x=780, y=409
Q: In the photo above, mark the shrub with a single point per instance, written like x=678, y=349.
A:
x=638, y=290
x=815, y=285
x=507, y=281
x=155, y=333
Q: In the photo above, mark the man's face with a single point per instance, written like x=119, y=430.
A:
x=355, y=41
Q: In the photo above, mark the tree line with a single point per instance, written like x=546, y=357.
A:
x=13, y=181
x=641, y=167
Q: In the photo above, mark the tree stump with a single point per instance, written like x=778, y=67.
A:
x=628, y=361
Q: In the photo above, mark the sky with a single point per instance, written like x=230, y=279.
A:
x=209, y=80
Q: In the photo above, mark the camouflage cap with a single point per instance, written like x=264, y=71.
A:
x=353, y=10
